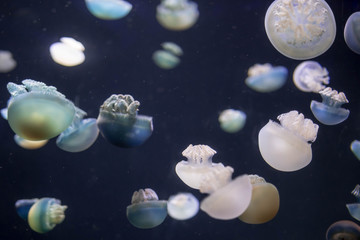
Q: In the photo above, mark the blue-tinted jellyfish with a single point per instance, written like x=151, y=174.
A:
x=146, y=210
x=182, y=206
x=352, y=32
x=266, y=78
x=68, y=52
x=29, y=144
x=354, y=208
x=310, y=76
x=169, y=57
x=232, y=121
x=7, y=62
x=343, y=230
x=355, y=148
x=80, y=135
x=38, y=112
x=300, y=29
x=23, y=206
x=177, y=15
x=108, y=9
x=329, y=111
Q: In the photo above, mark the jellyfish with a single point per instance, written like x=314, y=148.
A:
x=265, y=202
x=23, y=206
x=169, y=57
x=343, y=230
x=352, y=32
x=177, y=15
x=68, y=52
x=354, y=208
x=28, y=144
x=232, y=121
x=310, y=76
x=287, y=146
x=38, y=112
x=146, y=210
x=355, y=148
x=120, y=124
x=266, y=78
x=80, y=135
x=182, y=206
x=7, y=62
x=4, y=113
x=329, y=111
x=108, y=9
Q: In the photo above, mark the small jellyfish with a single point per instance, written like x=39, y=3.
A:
x=354, y=208
x=355, y=148
x=286, y=147
x=343, y=230
x=146, y=210
x=23, y=206
x=68, y=52
x=7, y=62
x=108, y=9
x=169, y=57
x=120, y=124
x=232, y=121
x=352, y=32
x=182, y=206
x=266, y=78
x=310, y=76
x=177, y=15
x=28, y=144
x=38, y=112
x=4, y=113
x=329, y=111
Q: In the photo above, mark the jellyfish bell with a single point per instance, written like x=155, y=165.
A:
x=355, y=148
x=7, y=62
x=354, y=208
x=29, y=144
x=23, y=206
x=232, y=121
x=182, y=206
x=343, y=230
x=310, y=76
x=352, y=32
x=167, y=58
x=68, y=52
x=108, y=9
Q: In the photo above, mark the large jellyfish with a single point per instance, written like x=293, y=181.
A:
x=169, y=57
x=7, y=62
x=300, y=29
x=68, y=52
x=286, y=147
x=182, y=206
x=343, y=230
x=108, y=9
x=354, y=208
x=355, y=148
x=310, y=76
x=232, y=121
x=352, y=32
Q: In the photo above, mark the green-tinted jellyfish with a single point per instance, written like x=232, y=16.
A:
x=354, y=208
x=146, y=210
x=232, y=121
x=120, y=124
x=108, y=9
x=343, y=230
x=169, y=57
x=38, y=112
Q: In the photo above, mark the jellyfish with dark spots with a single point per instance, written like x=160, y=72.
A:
x=354, y=208
x=352, y=32
x=343, y=230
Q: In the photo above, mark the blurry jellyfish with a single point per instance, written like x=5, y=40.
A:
x=352, y=32
x=354, y=208
x=28, y=144
x=329, y=111
x=265, y=202
x=343, y=230
x=266, y=78
x=177, y=15
x=146, y=210
x=68, y=52
x=120, y=124
x=232, y=121
x=4, y=113
x=286, y=147
x=300, y=29
x=310, y=76
x=169, y=57
x=23, y=206
x=108, y=9
x=38, y=112
x=355, y=148
x=7, y=62
x=182, y=206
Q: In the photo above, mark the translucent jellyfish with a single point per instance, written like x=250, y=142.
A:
x=177, y=15
x=4, y=113
x=355, y=148
x=80, y=135
x=7, y=62
x=28, y=144
x=354, y=208
x=352, y=32
x=68, y=52
x=182, y=206
x=286, y=147
x=169, y=57
x=23, y=206
x=343, y=230
x=232, y=121
x=146, y=210
x=108, y=9
x=310, y=76
x=38, y=112
x=265, y=202
x=329, y=111
x=266, y=78
x=120, y=124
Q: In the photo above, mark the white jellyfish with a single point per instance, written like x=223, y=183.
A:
x=182, y=206
x=168, y=58
x=231, y=120
x=7, y=62
x=310, y=76
x=68, y=52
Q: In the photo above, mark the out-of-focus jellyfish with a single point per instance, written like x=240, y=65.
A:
x=265, y=202
x=120, y=124
x=232, y=121
x=182, y=206
x=146, y=210
x=80, y=135
x=310, y=76
x=68, y=52
x=177, y=15
x=354, y=208
x=169, y=57
x=266, y=78
x=38, y=112
x=343, y=230
x=23, y=206
x=286, y=147
x=355, y=148
x=352, y=32
x=108, y=9
x=28, y=144
x=4, y=113
x=329, y=111
x=7, y=62
x=300, y=29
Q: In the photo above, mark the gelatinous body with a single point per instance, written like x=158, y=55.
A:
x=108, y=9
x=300, y=29
x=182, y=206
x=7, y=62
x=343, y=230
x=28, y=144
x=354, y=208
x=355, y=148
x=310, y=76
x=169, y=57
x=68, y=52
x=352, y=32
x=23, y=206
x=231, y=120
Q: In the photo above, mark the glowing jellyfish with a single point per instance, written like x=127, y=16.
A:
x=108, y=9
x=28, y=144
x=23, y=206
x=329, y=111
x=354, y=208
x=265, y=202
x=120, y=124
x=352, y=32
x=68, y=52
x=343, y=230
x=146, y=210
x=169, y=57
x=231, y=120
x=38, y=112
x=182, y=206
x=177, y=15
x=286, y=147
x=355, y=148
x=7, y=62
x=266, y=78
x=310, y=76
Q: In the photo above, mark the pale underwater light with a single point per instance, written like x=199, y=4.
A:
x=68, y=52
